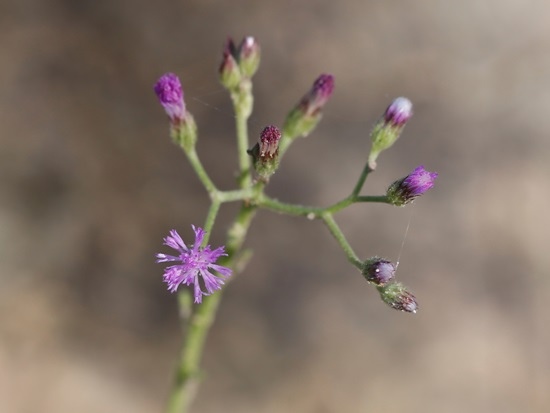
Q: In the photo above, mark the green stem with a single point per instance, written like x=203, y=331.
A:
x=361, y=181
x=187, y=377
x=242, y=104
x=242, y=146
x=315, y=212
x=336, y=232
x=237, y=195
x=210, y=219
x=200, y=171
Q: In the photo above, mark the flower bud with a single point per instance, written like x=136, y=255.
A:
x=249, y=56
x=406, y=190
x=183, y=129
x=170, y=94
x=307, y=114
x=397, y=297
x=265, y=154
x=389, y=127
x=399, y=112
x=318, y=96
x=230, y=74
x=378, y=271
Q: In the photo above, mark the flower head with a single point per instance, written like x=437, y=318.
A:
x=318, y=95
x=389, y=127
x=170, y=94
x=378, y=271
x=398, y=297
x=230, y=74
x=249, y=56
x=308, y=112
x=195, y=265
x=399, y=112
x=265, y=154
x=406, y=190
x=269, y=141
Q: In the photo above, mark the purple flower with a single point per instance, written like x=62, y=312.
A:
x=195, y=263
x=170, y=94
x=378, y=271
x=318, y=95
x=399, y=112
x=405, y=190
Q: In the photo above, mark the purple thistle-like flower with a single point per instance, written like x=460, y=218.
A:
x=170, y=94
x=405, y=190
x=399, y=112
x=195, y=265
x=319, y=94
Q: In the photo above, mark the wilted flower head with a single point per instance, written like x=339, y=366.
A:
x=378, y=271
x=399, y=112
x=265, y=154
x=195, y=265
x=269, y=141
x=406, y=190
x=170, y=94
x=398, y=298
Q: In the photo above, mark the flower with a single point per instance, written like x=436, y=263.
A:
x=265, y=154
x=308, y=112
x=319, y=94
x=249, y=56
x=378, y=271
x=399, y=112
x=398, y=297
x=230, y=74
x=389, y=127
x=269, y=141
x=196, y=263
x=170, y=94
x=406, y=190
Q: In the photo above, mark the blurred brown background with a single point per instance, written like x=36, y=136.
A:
x=90, y=183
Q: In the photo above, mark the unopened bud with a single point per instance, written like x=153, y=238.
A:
x=249, y=56
x=389, y=127
x=406, y=190
x=399, y=112
x=170, y=94
x=230, y=73
x=398, y=298
x=378, y=271
x=307, y=114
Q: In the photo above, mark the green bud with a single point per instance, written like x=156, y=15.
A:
x=397, y=297
x=230, y=74
x=185, y=132
x=308, y=112
x=389, y=127
x=249, y=56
